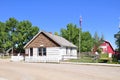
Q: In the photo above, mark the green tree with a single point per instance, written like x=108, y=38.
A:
x=25, y=32
x=15, y=34
x=86, y=42
x=97, y=41
x=117, y=41
x=3, y=37
x=56, y=33
x=71, y=33
x=11, y=25
x=102, y=37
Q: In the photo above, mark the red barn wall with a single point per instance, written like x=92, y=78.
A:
x=108, y=48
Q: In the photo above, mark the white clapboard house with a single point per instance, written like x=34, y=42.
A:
x=47, y=47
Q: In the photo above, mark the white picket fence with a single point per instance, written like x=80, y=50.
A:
x=42, y=58
x=17, y=58
x=35, y=59
x=67, y=57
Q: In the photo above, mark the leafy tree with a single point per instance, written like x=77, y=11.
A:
x=11, y=25
x=102, y=37
x=56, y=33
x=71, y=33
x=97, y=41
x=3, y=37
x=87, y=42
x=25, y=32
x=117, y=42
x=15, y=34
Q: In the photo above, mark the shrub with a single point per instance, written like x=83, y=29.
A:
x=104, y=58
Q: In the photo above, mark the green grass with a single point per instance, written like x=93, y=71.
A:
x=82, y=60
x=90, y=59
x=5, y=57
x=104, y=56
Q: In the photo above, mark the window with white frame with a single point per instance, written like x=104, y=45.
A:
x=41, y=51
x=68, y=51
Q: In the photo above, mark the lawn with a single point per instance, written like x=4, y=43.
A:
x=83, y=59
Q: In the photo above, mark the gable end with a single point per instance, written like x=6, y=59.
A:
x=42, y=40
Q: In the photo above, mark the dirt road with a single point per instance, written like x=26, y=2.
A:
x=47, y=71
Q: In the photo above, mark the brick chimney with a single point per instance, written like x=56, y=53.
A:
x=50, y=32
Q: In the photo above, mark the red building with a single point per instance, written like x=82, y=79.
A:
x=107, y=48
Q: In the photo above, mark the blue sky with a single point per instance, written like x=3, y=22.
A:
x=100, y=16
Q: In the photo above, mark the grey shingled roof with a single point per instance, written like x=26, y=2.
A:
x=58, y=39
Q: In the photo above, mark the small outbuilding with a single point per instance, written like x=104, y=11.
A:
x=47, y=47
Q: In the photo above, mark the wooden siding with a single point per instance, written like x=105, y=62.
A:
x=42, y=41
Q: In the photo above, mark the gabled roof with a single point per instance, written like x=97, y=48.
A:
x=108, y=43
x=58, y=39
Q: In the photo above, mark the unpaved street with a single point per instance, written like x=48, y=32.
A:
x=47, y=71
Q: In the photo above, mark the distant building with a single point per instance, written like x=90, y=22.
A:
x=107, y=47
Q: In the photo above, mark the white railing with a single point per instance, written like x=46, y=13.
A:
x=67, y=57
x=17, y=58
x=41, y=59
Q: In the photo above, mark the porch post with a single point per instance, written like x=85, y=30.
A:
x=29, y=52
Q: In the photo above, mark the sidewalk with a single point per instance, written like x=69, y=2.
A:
x=93, y=64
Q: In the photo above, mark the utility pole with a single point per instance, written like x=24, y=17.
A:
x=80, y=22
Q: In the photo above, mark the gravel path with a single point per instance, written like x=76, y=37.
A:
x=47, y=71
